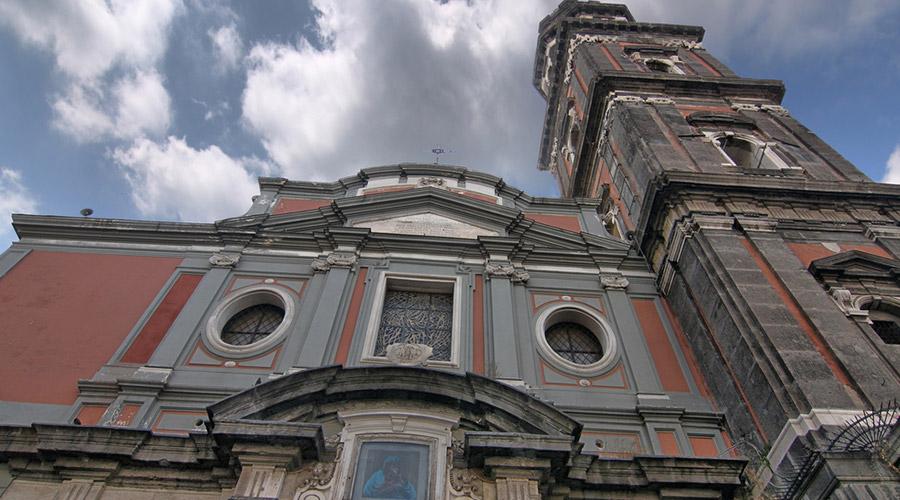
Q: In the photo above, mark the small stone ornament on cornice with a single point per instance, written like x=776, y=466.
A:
x=336, y=259
x=774, y=109
x=435, y=182
x=743, y=106
x=408, y=354
x=224, y=260
x=614, y=281
x=505, y=270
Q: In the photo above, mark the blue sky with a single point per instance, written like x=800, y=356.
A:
x=169, y=109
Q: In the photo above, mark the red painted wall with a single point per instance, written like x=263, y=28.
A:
x=661, y=350
x=808, y=252
x=288, y=205
x=62, y=315
x=161, y=320
x=567, y=222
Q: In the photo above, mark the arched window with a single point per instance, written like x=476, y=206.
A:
x=746, y=151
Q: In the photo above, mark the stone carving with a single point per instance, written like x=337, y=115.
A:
x=614, y=281
x=502, y=270
x=224, y=260
x=316, y=479
x=408, y=354
x=659, y=100
x=336, y=259
x=774, y=109
x=435, y=182
x=554, y=151
x=844, y=300
x=466, y=483
x=741, y=106
x=458, y=448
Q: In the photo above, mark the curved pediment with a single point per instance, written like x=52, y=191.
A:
x=313, y=395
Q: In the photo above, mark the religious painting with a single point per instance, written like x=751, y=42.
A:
x=386, y=470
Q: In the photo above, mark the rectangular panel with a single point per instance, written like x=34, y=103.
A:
x=159, y=323
x=668, y=443
x=703, y=446
x=670, y=374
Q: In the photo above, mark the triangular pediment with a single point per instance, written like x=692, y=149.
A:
x=855, y=263
x=426, y=224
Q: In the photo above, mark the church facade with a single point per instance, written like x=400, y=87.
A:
x=710, y=310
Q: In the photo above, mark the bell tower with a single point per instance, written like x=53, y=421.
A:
x=742, y=213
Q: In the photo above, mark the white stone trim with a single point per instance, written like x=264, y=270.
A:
x=800, y=426
x=432, y=429
x=586, y=317
x=455, y=282
x=236, y=302
x=767, y=151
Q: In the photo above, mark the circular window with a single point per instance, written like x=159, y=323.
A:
x=575, y=339
x=250, y=321
x=575, y=343
x=252, y=324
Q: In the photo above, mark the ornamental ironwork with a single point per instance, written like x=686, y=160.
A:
x=416, y=318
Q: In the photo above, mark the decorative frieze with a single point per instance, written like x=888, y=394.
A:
x=336, y=259
x=435, y=182
x=614, y=281
x=506, y=270
x=224, y=260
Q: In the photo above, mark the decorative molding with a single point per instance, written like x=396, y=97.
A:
x=336, y=259
x=846, y=302
x=717, y=222
x=408, y=354
x=875, y=231
x=435, y=182
x=504, y=270
x=755, y=224
x=224, y=260
x=742, y=106
x=575, y=43
x=774, y=109
x=614, y=281
x=659, y=100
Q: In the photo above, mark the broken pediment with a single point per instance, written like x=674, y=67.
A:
x=426, y=224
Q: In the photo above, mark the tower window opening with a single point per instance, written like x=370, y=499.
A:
x=748, y=152
x=885, y=324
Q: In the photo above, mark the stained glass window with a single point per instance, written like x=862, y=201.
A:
x=417, y=318
x=575, y=343
x=252, y=324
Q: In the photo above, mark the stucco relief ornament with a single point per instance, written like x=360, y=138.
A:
x=223, y=260
x=844, y=300
x=435, y=182
x=316, y=479
x=408, y=354
x=336, y=259
x=466, y=483
x=614, y=281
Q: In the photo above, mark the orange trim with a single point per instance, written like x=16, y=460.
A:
x=90, y=414
x=670, y=374
x=156, y=327
x=478, y=325
x=474, y=195
x=289, y=205
x=688, y=354
x=704, y=63
x=567, y=222
x=387, y=189
x=343, y=349
x=725, y=361
x=612, y=59
x=801, y=319
x=668, y=443
x=687, y=109
x=703, y=446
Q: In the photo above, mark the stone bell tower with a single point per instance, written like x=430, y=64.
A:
x=778, y=256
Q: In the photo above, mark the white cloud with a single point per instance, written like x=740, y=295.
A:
x=227, y=47
x=172, y=180
x=92, y=40
x=14, y=198
x=892, y=167
x=142, y=105
x=388, y=81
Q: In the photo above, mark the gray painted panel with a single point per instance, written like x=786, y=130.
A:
x=503, y=331
x=323, y=324
x=15, y=413
x=634, y=347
